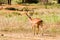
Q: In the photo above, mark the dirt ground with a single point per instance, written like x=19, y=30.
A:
x=27, y=36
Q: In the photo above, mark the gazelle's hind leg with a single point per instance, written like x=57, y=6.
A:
x=37, y=29
x=41, y=27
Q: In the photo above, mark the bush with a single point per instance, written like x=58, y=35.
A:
x=19, y=1
x=27, y=1
x=32, y=1
x=3, y=2
x=11, y=8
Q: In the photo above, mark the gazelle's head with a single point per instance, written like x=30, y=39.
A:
x=26, y=13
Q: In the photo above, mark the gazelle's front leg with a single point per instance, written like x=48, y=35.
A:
x=37, y=29
x=41, y=29
x=34, y=29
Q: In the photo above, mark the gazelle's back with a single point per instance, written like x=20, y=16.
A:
x=35, y=20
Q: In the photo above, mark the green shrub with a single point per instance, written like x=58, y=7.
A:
x=19, y=1
x=11, y=8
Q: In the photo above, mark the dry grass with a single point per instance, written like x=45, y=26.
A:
x=17, y=27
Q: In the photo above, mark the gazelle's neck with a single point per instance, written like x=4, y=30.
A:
x=28, y=16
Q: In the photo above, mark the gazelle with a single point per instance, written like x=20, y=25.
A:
x=36, y=22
